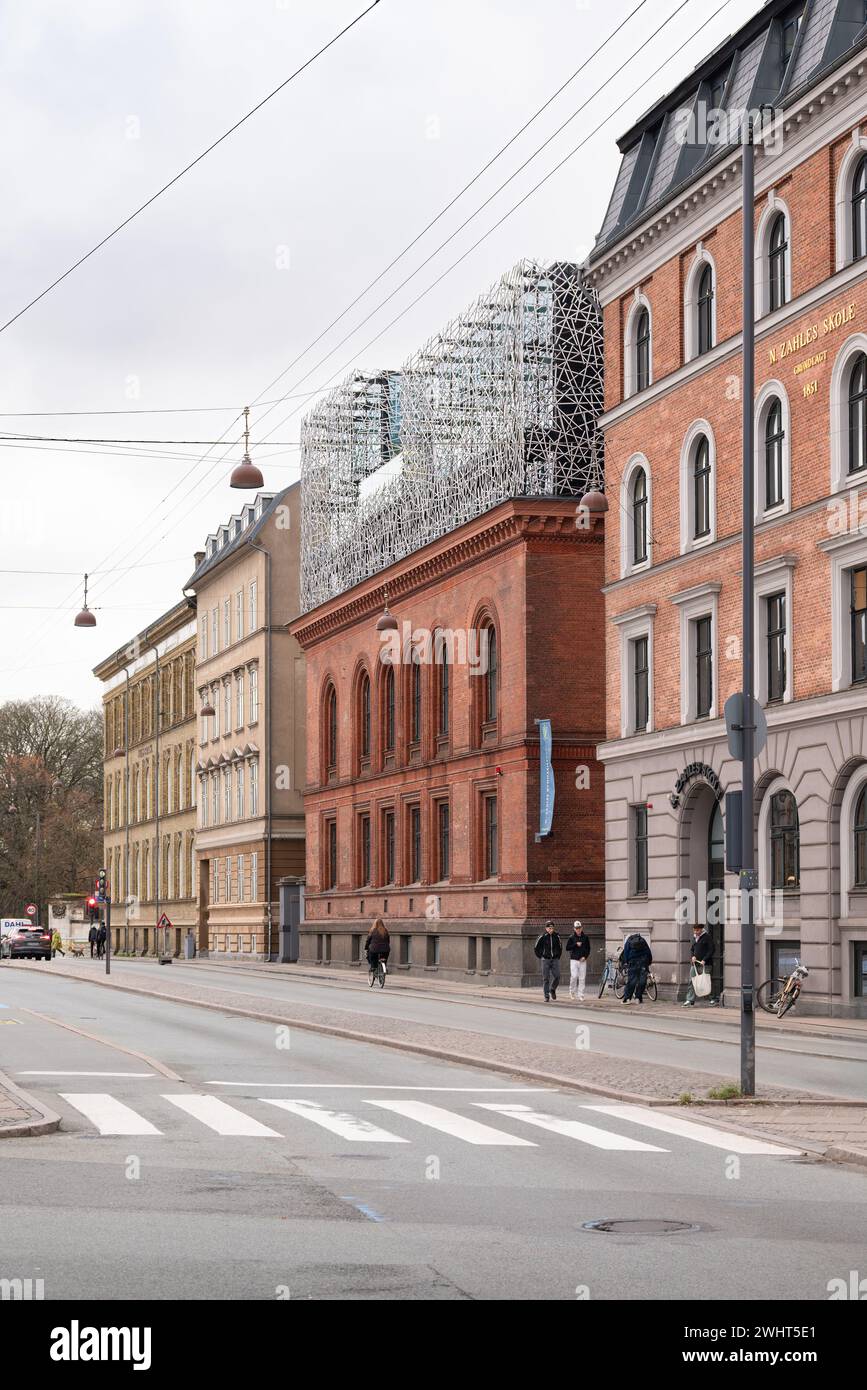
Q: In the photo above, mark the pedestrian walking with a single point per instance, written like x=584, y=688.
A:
x=100, y=941
x=636, y=958
x=578, y=947
x=549, y=949
x=701, y=962
x=91, y=936
x=56, y=944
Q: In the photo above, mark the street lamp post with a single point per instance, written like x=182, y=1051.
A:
x=748, y=859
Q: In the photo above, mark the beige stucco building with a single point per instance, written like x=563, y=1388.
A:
x=250, y=746
x=150, y=783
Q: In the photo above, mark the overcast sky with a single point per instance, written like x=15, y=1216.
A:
x=234, y=272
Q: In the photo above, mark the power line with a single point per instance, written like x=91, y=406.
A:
x=187, y=168
x=79, y=439
x=152, y=410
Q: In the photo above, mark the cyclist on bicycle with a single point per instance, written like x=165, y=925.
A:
x=378, y=944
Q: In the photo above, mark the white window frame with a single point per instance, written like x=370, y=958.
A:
x=688, y=540
x=843, y=198
x=637, y=622
x=254, y=694
x=203, y=637
x=854, y=788
x=239, y=791
x=761, y=263
x=841, y=478
x=630, y=344
x=779, y=784
x=770, y=391
x=700, y=601
x=254, y=787
x=227, y=623
x=239, y=612
x=254, y=605
x=846, y=552
x=227, y=704
x=227, y=793
x=627, y=566
x=772, y=577
x=215, y=799
x=214, y=697
x=239, y=700
x=690, y=304
x=254, y=874
x=215, y=631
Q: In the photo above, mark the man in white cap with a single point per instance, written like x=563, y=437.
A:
x=578, y=947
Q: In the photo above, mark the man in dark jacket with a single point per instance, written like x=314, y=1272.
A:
x=100, y=940
x=701, y=960
x=549, y=949
x=636, y=959
x=578, y=947
x=91, y=936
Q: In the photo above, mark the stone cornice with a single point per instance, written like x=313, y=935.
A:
x=536, y=523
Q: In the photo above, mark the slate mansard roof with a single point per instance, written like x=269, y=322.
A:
x=751, y=68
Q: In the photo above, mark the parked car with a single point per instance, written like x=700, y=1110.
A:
x=30, y=941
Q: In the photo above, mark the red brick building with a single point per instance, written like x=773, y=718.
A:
x=423, y=773
x=667, y=267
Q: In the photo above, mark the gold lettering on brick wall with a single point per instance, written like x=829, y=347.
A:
x=805, y=336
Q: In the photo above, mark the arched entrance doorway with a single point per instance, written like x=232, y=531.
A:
x=702, y=874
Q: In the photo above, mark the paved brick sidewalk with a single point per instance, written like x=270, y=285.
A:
x=837, y=1132
x=21, y=1114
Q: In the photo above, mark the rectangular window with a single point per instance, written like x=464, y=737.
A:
x=254, y=615
x=858, y=609
x=239, y=614
x=215, y=634
x=227, y=793
x=214, y=697
x=641, y=683
x=639, y=850
x=443, y=840
x=433, y=951
x=860, y=972
x=703, y=668
x=776, y=618
x=203, y=638
x=227, y=706
x=405, y=950
x=215, y=800
x=415, y=844
x=239, y=790
x=227, y=623
x=239, y=700
x=254, y=694
x=254, y=877
x=491, y=844
x=254, y=787
x=364, y=850
x=331, y=843
x=388, y=845
x=485, y=960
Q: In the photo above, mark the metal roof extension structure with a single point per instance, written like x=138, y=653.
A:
x=502, y=403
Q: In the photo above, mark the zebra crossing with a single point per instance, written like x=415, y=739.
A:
x=374, y=1119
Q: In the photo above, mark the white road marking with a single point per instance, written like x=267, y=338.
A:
x=460, y=1126
x=573, y=1129
x=688, y=1129
x=337, y=1121
x=109, y=1115
x=359, y=1086
x=222, y=1118
x=58, y=1072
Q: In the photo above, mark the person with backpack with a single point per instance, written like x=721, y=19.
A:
x=91, y=936
x=100, y=940
x=548, y=949
x=636, y=959
x=578, y=947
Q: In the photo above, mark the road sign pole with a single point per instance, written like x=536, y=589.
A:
x=748, y=875
x=108, y=935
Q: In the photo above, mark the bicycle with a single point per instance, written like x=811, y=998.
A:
x=377, y=974
x=777, y=996
x=612, y=978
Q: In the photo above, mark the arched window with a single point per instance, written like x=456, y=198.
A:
x=859, y=830
x=441, y=657
x=858, y=414
x=785, y=841
x=704, y=310
x=388, y=712
x=774, y=441
x=364, y=717
x=491, y=676
x=859, y=210
x=777, y=250
x=642, y=350
x=701, y=488
x=331, y=730
x=639, y=517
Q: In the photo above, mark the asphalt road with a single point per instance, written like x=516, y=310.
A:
x=701, y=1039
x=378, y=1173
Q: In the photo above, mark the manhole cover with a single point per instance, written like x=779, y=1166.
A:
x=640, y=1227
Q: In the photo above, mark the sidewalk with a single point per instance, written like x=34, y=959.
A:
x=831, y=1128
x=21, y=1114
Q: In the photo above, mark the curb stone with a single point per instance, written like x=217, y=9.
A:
x=45, y=1123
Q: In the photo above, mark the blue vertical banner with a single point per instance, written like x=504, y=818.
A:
x=546, y=779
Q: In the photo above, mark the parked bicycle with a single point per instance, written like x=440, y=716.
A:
x=614, y=978
x=778, y=996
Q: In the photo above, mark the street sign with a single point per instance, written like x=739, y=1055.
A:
x=30, y=909
x=164, y=922
x=734, y=717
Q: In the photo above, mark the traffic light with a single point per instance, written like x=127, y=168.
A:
x=93, y=909
x=102, y=885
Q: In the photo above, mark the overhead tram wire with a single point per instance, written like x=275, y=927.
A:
x=509, y=212
x=151, y=410
x=288, y=395
x=198, y=159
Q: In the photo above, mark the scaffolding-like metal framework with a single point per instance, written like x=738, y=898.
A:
x=502, y=403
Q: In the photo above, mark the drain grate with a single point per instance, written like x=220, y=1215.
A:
x=640, y=1226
